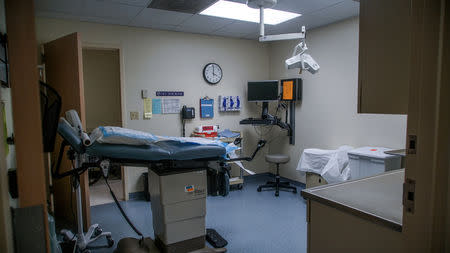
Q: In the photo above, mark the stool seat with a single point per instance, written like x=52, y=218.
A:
x=277, y=185
x=277, y=158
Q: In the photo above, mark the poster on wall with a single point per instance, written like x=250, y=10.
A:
x=207, y=108
x=156, y=106
x=170, y=105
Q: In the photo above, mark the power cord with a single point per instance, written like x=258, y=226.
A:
x=123, y=213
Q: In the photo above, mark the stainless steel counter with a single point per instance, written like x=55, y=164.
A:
x=377, y=198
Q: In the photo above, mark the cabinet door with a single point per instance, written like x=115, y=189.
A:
x=384, y=56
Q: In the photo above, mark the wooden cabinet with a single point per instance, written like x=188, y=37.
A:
x=384, y=56
x=333, y=230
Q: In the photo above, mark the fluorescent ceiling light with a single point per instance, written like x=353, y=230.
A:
x=233, y=10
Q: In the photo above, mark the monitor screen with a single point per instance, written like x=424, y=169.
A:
x=260, y=91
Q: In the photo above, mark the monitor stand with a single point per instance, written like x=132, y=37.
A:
x=265, y=111
x=266, y=119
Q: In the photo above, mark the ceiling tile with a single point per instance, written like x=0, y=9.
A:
x=149, y=17
x=142, y=3
x=304, y=6
x=163, y=27
x=204, y=24
x=109, y=11
x=240, y=27
x=315, y=13
x=331, y=14
x=90, y=10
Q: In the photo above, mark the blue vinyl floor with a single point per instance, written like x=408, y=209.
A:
x=251, y=221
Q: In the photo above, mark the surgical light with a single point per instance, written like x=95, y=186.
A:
x=299, y=60
x=239, y=11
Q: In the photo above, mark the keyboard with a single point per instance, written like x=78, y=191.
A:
x=252, y=121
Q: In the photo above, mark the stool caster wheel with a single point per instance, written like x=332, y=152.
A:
x=295, y=191
x=240, y=186
x=277, y=194
x=110, y=241
x=259, y=189
x=98, y=231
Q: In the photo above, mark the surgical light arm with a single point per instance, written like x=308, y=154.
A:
x=277, y=37
x=286, y=36
x=299, y=60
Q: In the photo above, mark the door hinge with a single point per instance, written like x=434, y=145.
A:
x=409, y=190
x=412, y=144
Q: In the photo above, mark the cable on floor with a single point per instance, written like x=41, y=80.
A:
x=123, y=213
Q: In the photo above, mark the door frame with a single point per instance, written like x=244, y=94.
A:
x=23, y=74
x=6, y=234
x=109, y=46
x=428, y=120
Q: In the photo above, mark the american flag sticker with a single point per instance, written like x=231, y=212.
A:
x=189, y=188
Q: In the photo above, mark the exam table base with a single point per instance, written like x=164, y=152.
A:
x=131, y=245
x=181, y=247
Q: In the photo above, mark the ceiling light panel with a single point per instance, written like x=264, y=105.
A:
x=239, y=11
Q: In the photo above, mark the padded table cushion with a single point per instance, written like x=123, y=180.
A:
x=158, y=151
x=163, y=150
x=277, y=158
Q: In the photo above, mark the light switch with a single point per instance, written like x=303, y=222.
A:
x=134, y=115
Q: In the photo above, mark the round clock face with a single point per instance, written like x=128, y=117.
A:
x=212, y=73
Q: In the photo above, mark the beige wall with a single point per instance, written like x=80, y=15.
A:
x=101, y=74
x=327, y=116
x=162, y=60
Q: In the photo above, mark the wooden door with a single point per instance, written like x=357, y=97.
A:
x=64, y=72
x=427, y=163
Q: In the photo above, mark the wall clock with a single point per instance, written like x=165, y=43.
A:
x=212, y=73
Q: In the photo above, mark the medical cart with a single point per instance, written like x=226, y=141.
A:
x=239, y=180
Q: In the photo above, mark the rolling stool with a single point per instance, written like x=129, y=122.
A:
x=277, y=185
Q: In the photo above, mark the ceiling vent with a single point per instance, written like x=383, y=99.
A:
x=186, y=6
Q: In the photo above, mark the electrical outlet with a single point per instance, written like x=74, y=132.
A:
x=134, y=115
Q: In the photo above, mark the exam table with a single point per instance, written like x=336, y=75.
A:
x=177, y=179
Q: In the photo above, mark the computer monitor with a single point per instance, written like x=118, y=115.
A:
x=262, y=91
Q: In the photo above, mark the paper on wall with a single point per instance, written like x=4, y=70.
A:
x=171, y=105
x=156, y=106
x=147, y=108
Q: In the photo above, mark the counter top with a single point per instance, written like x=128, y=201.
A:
x=377, y=198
